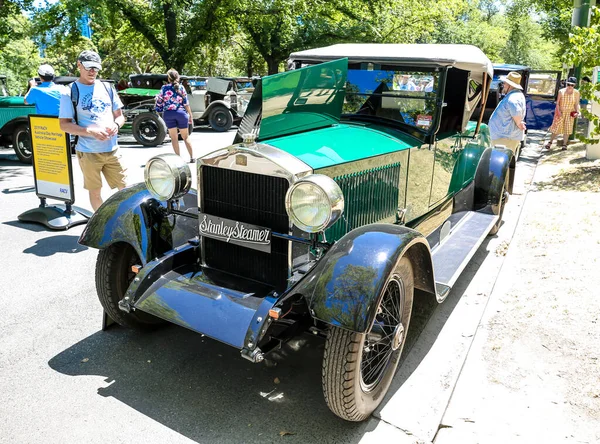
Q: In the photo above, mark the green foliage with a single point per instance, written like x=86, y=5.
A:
x=19, y=58
x=584, y=50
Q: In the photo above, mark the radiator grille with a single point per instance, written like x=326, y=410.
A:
x=369, y=196
x=254, y=199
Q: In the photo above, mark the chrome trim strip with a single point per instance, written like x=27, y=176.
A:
x=260, y=159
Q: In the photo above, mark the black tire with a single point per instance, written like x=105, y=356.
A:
x=220, y=119
x=113, y=276
x=21, y=140
x=358, y=368
x=149, y=129
x=498, y=208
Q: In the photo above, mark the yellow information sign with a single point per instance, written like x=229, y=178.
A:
x=51, y=158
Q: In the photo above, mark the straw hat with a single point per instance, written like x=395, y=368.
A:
x=513, y=79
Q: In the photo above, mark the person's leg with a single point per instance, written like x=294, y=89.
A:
x=548, y=144
x=174, y=141
x=113, y=171
x=91, y=165
x=185, y=135
x=96, y=198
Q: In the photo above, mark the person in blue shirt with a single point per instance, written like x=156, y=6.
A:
x=46, y=96
x=507, y=123
x=91, y=110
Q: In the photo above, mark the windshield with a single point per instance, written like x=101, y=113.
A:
x=401, y=95
x=3, y=90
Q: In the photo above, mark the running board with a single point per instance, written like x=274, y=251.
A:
x=456, y=250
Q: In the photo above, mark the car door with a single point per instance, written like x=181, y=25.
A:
x=540, y=95
x=447, y=151
x=420, y=174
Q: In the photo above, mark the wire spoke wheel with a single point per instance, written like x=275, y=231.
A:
x=385, y=337
x=358, y=368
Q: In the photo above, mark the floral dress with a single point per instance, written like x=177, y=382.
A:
x=568, y=103
x=170, y=99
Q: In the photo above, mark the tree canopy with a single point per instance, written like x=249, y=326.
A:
x=234, y=37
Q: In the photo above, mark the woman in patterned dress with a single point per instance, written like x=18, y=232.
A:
x=567, y=109
x=173, y=102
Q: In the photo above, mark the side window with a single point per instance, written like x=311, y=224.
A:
x=542, y=84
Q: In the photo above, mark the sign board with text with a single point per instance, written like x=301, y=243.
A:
x=51, y=159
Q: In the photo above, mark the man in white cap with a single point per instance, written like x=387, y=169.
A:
x=91, y=110
x=46, y=95
x=507, y=123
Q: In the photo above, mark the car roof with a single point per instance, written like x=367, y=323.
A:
x=509, y=67
x=467, y=57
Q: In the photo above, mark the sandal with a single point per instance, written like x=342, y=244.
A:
x=548, y=145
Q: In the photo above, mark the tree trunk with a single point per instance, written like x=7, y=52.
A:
x=273, y=65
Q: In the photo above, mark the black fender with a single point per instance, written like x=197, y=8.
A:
x=133, y=216
x=9, y=127
x=345, y=287
x=491, y=173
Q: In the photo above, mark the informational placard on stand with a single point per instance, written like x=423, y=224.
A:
x=52, y=159
x=53, y=175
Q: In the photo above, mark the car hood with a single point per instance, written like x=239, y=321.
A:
x=12, y=101
x=302, y=99
x=341, y=143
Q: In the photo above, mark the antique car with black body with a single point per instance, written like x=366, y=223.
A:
x=356, y=183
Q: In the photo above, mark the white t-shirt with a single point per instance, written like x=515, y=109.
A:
x=93, y=110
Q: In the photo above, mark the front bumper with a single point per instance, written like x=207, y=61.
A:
x=176, y=289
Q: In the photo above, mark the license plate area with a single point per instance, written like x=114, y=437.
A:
x=235, y=232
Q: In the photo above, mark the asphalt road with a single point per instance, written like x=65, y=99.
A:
x=64, y=380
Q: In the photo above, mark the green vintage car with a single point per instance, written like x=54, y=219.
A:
x=14, y=123
x=357, y=182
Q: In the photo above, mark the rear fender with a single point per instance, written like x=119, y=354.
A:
x=133, y=216
x=491, y=173
x=344, y=288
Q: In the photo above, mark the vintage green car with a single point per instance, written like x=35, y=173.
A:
x=356, y=183
x=14, y=123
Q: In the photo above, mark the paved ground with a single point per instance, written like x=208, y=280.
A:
x=63, y=380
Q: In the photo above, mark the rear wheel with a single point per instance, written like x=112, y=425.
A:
x=22, y=143
x=113, y=277
x=149, y=129
x=220, y=118
x=358, y=368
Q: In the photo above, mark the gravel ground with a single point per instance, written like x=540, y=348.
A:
x=533, y=372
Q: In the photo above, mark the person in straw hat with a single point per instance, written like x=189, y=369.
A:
x=507, y=123
x=567, y=108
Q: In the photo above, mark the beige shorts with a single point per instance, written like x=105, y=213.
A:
x=508, y=143
x=109, y=164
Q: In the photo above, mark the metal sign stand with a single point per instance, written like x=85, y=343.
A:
x=53, y=176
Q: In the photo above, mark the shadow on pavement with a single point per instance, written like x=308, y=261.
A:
x=62, y=243
x=205, y=391
x=27, y=226
x=18, y=190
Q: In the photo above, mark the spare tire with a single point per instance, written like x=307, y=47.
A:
x=149, y=129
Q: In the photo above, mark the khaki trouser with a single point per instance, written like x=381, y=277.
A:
x=508, y=143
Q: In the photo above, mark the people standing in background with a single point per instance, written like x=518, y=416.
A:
x=403, y=83
x=45, y=96
x=91, y=110
x=173, y=102
x=567, y=109
x=507, y=122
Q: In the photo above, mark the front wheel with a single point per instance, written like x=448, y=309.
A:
x=358, y=368
x=220, y=119
x=22, y=143
x=149, y=129
x=113, y=277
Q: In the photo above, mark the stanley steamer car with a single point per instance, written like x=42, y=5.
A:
x=356, y=182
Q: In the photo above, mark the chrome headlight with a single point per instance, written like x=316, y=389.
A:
x=167, y=176
x=314, y=203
